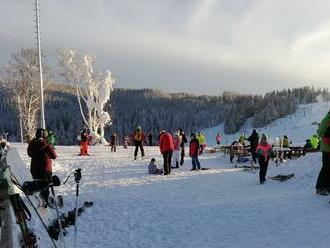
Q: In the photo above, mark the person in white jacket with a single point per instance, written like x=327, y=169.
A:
x=176, y=153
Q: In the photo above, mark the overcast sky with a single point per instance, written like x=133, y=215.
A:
x=196, y=46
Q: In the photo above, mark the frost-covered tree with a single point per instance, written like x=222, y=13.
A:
x=92, y=88
x=21, y=77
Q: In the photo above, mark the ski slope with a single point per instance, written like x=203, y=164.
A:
x=299, y=126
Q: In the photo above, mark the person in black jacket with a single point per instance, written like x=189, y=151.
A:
x=254, y=141
x=183, y=141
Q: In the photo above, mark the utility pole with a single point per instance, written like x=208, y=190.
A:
x=42, y=109
x=20, y=118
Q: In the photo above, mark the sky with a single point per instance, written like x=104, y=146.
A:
x=194, y=46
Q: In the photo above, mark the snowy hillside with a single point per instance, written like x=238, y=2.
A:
x=298, y=126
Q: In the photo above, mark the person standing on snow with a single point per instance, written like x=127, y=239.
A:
x=138, y=137
x=183, y=141
x=176, y=153
x=150, y=139
x=202, y=142
x=166, y=148
x=84, y=142
x=218, y=139
x=113, y=139
x=254, y=141
x=264, y=152
x=41, y=154
x=323, y=180
x=194, y=152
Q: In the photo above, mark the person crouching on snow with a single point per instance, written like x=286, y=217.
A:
x=153, y=169
x=194, y=151
x=176, y=153
x=264, y=152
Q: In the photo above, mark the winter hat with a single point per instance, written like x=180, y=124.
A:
x=264, y=138
x=40, y=133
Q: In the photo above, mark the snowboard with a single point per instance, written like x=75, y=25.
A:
x=282, y=178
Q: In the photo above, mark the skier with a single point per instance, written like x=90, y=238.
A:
x=84, y=142
x=150, y=139
x=41, y=154
x=138, y=137
x=184, y=140
x=323, y=180
x=254, y=140
x=166, y=148
x=153, y=169
x=176, y=153
x=264, y=152
x=113, y=139
x=194, y=151
x=218, y=139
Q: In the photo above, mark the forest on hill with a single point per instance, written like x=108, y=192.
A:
x=155, y=110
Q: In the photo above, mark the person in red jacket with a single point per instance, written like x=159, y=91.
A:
x=84, y=142
x=166, y=148
x=194, y=151
x=41, y=154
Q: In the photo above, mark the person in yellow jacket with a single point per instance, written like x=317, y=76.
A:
x=314, y=141
x=202, y=142
x=241, y=140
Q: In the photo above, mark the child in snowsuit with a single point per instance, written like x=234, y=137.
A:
x=176, y=153
x=264, y=152
x=194, y=151
x=152, y=168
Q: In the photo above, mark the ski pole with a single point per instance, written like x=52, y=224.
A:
x=77, y=177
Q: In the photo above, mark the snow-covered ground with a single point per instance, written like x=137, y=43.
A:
x=299, y=126
x=219, y=207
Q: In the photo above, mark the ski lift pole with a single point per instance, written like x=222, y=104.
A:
x=77, y=178
x=277, y=151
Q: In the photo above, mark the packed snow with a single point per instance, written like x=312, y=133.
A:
x=220, y=207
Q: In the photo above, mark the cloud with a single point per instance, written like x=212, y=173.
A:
x=260, y=43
